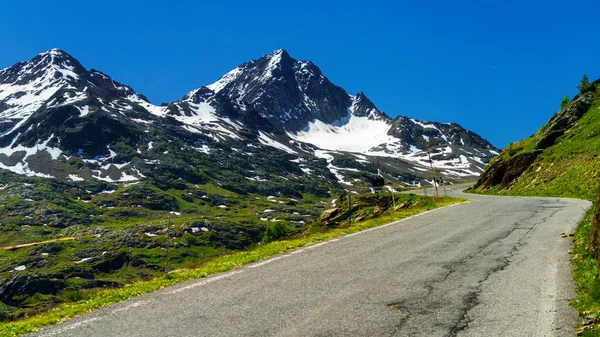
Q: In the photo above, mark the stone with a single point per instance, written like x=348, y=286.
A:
x=328, y=214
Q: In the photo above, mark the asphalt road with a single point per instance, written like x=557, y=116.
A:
x=495, y=266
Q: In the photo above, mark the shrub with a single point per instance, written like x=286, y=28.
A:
x=275, y=231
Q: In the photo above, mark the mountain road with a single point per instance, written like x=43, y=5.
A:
x=493, y=266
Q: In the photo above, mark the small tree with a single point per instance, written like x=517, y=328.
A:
x=585, y=85
x=275, y=231
x=564, y=101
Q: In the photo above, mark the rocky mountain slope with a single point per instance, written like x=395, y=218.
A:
x=58, y=119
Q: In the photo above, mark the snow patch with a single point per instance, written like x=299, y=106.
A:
x=265, y=140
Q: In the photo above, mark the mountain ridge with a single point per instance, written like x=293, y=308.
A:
x=53, y=104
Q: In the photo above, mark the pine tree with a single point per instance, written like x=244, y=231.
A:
x=564, y=101
x=585, y=84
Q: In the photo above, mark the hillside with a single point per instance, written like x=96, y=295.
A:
x=561, y=159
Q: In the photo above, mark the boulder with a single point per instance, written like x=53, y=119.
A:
x=329, y=214
x=399, y=207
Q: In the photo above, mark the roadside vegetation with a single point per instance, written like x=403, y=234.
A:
x=586, y=273
x=368, y=211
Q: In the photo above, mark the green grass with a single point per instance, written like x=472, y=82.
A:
x=95, y=300
x=585, y=274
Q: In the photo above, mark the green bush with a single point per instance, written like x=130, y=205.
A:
x=275, y=231
x=190, y=239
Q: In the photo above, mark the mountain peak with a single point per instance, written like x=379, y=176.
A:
x=55, y=52
x=363, y=107
x=44, y=70
x=56, y=63
x=279, y=53
x=276, y=60
x=262, y=69
x=57, y=57
x=283, y=90
x=361, y=97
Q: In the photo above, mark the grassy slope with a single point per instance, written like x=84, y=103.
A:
x=570, y=168
x=106, y=297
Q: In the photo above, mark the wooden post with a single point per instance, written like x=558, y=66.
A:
x=168, y=243
x=350, y=208
x=443, y=183
x=432, y=172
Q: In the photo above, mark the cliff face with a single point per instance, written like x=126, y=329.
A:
x=504, y=171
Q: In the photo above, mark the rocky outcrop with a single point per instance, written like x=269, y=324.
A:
x=562, y=121
x=504, y=172
x=13, y=288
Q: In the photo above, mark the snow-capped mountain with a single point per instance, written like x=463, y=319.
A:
x=58, y=119
x=298, y=97
x=286, y=91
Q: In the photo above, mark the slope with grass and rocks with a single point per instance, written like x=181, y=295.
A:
x=562, y=159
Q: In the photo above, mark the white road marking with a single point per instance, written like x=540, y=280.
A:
x=76, y=325
x=206, y=281
x=127, y=307
x=262, y=263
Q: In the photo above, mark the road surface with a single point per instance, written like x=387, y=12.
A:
x=495, y=266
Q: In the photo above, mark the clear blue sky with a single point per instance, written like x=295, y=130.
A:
x=498, y=68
